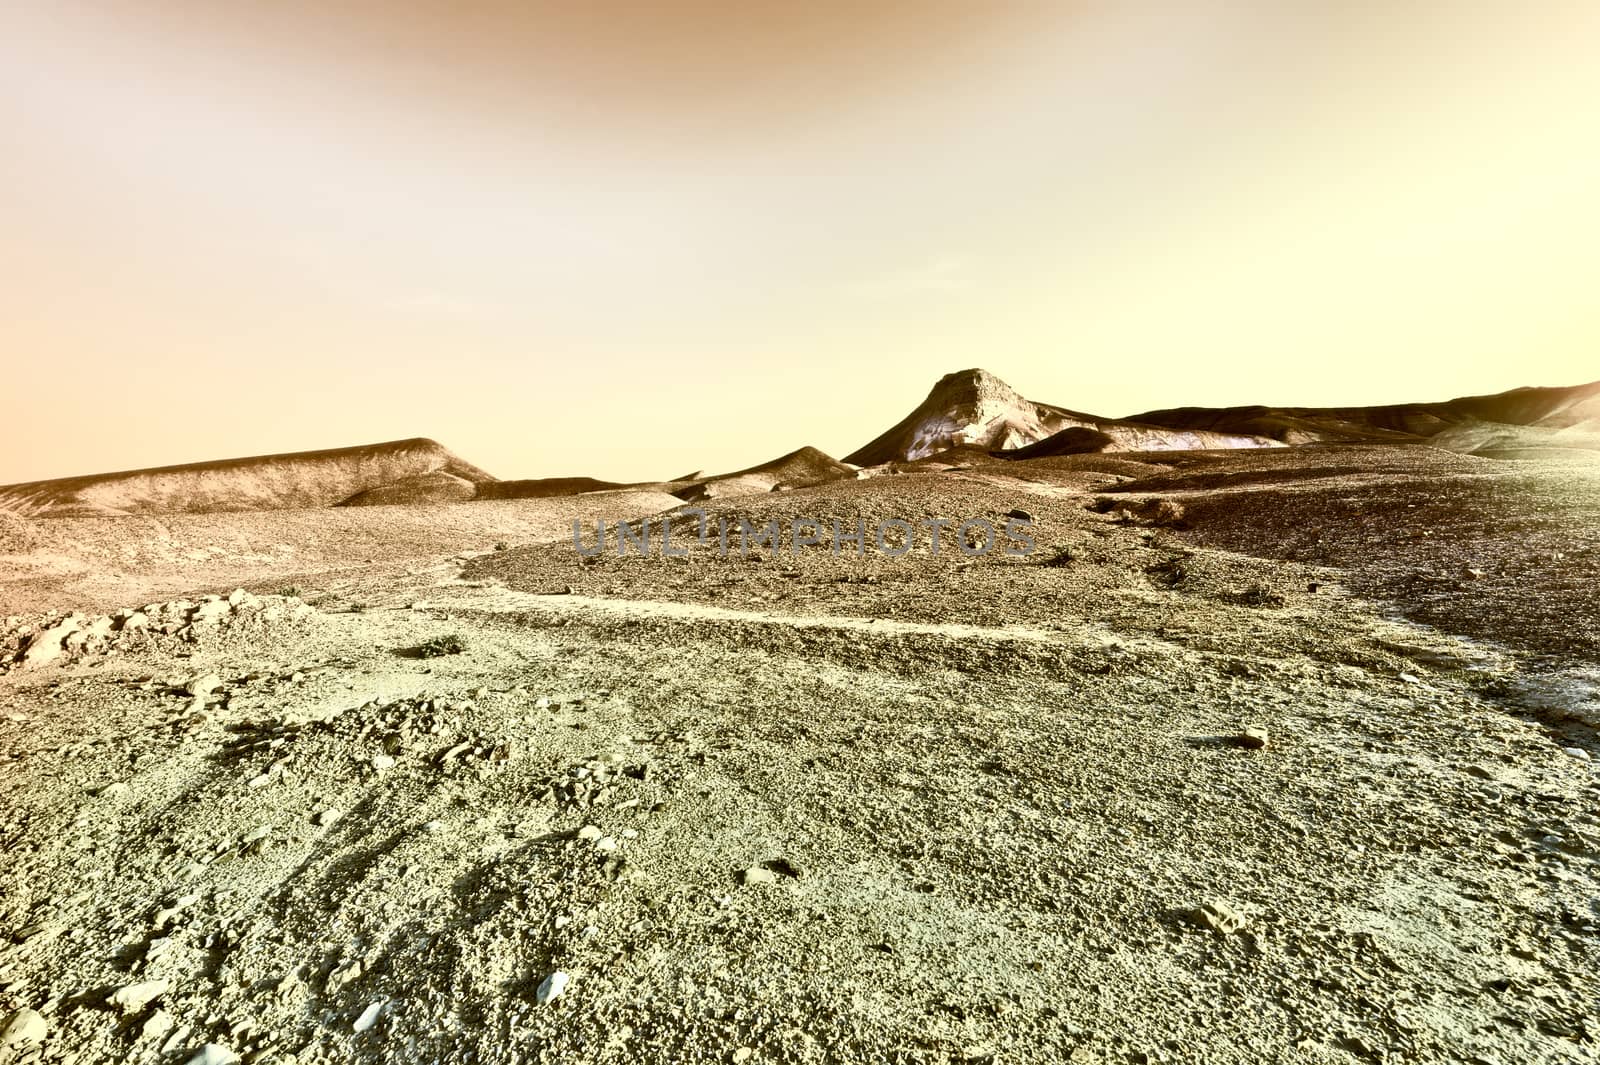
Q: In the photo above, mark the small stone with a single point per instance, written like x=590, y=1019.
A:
x=1409, y=679
x=381, y=762
x=135, y=997
x=758, y=875
x=210, y=613
x=1219, y=917
x=550, y=987
x=590, y=833
x=1576, y=752
x=605, y=843
x=156, y=1026
x=342, y=976
x=1253, y=738
x=260, y=780
x=326, y=817
x=24, y=1028
x=203, y=685
x=369, y=1016
x=213, y=1054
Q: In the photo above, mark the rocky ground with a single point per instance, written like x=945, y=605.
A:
x=1191, y=783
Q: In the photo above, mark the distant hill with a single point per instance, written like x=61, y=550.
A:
x=417, y=470
x=968, y=416
x=797, y=469
x=1531, y=417
x=974, y=408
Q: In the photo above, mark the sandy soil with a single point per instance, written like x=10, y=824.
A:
x=820, y=808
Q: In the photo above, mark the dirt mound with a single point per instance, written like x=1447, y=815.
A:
x=1074, y=440
x=798, y=469
x=57, y=639
x=301, y=479
x=546, y=487
x=436, y=487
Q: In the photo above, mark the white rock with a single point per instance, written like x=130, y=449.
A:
x=369, y=1016
x=380, y=762
x=213, y=1054
x=157, y=1025
x=45, y=647
x=605, y=843
x=24, y=1028
x=135, y=997
x=327, y=817
x=210, y=613
x=203, y=685
x=550, y=987
x=136, y=622
x=590, y=833
x=1576, y=752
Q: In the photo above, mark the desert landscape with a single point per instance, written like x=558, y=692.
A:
x=1280, y=746
x=736, y=532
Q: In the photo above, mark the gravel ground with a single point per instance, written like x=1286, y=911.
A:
x=1142, y=796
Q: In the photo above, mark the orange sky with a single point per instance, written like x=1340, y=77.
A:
x=633, y=238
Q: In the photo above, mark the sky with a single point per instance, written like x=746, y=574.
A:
x=633, y=238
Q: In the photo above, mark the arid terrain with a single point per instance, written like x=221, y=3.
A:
x=1273, y=754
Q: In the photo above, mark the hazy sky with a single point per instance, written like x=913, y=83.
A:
x=632, y=239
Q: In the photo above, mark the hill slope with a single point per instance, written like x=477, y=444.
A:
x=415, y=469
x=798, y=469
x=1521, y=417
